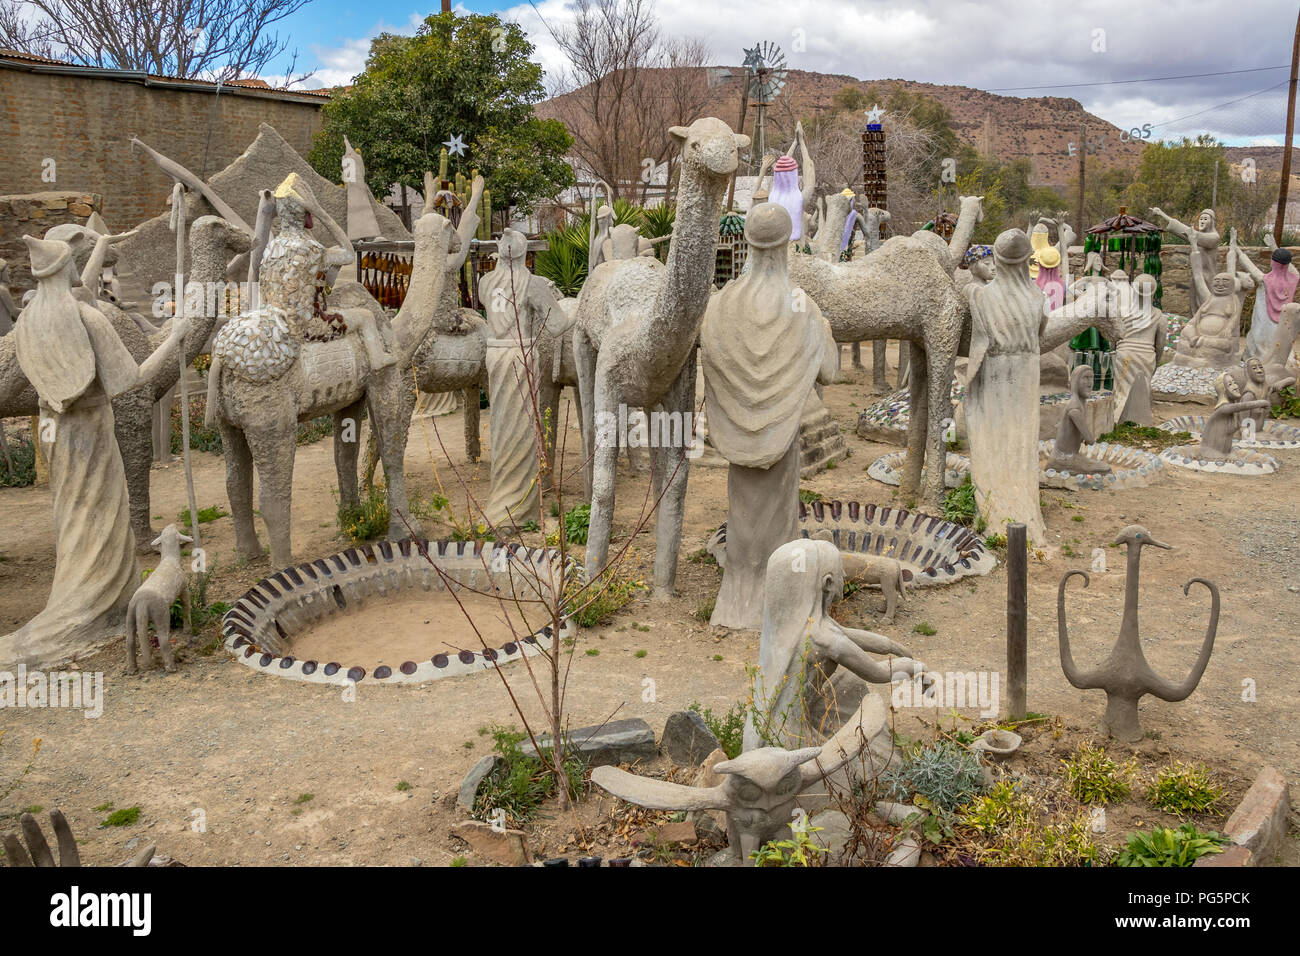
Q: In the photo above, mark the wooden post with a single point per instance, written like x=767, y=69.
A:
x=1290, y=128
x=1017, y=619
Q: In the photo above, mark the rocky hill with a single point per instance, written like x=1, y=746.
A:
x=1007, y=127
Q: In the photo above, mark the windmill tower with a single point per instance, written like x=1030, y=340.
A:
x=766, y=72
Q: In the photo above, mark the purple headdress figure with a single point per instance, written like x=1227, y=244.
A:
x=786, y=192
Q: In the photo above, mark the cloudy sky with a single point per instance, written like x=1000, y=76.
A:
x=1042, y=49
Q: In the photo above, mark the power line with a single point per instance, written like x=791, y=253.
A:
x=1211, y=109
x=1153, y=79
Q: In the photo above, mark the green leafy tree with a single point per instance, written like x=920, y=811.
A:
x=1179, y=177
x=469, y=76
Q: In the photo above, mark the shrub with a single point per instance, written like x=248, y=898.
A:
x=1021, y=831
x=729, y=729
x=1145, y=436
x=1185, y=788
x=596, y=604
x=23, y=456
x=959, y=507
x=1288, y=405
x=366, y=520
x=800, y=851
x=1094, y=778
x=576, y=520
x=520, y=783
x=944, y=773
x=121, y=818
x=202, y=438
x=206, y=515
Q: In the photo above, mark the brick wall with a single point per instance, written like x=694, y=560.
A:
x=32, y=215
x=85, y=124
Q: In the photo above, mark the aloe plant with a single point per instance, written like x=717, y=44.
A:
x=564, y=261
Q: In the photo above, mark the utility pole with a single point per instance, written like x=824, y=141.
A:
x=1290, y=128
x=1083, y=164
x=1214, y=189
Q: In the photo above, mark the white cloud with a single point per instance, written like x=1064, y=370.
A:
x=987, y=44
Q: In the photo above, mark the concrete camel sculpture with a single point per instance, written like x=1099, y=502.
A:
x=635, y=338
x=258, y=419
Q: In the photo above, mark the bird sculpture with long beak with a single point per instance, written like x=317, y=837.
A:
x=1126, y=676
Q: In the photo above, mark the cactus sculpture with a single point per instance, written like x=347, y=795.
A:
x=1126, y=676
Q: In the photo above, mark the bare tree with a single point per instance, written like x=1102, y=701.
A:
x=214, y=39
x=835, y=141
x=625, y=86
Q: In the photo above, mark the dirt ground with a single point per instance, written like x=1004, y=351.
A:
x=238, y=750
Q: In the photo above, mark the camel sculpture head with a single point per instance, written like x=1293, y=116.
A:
x=212, y=235
x=708, y=145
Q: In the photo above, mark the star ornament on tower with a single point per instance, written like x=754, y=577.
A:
x=874, y=116
x=456, y=145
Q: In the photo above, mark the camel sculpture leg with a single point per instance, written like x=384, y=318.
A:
x=239, y=489
x=603, y=463
x=135, y=440
x=273, y=446
x=584, y=358
x=879, y=365
x=346, y=453
x=934, y=365
x=916, y=424
x=384, y=400
x=671, y=470
x=548, y=406
x=473, y=446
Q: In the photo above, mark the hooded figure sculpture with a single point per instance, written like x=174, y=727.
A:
x=520, y=308
x=764, y=346
x=786, y=193
x=1007, y=318
x=73, y=357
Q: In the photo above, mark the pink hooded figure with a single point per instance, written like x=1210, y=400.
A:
x=785, y=192
x=1049, y=276
x=1269, y=338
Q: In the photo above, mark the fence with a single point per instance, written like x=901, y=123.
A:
x=385, y=268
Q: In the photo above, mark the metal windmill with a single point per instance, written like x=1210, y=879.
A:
x=766, y=72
